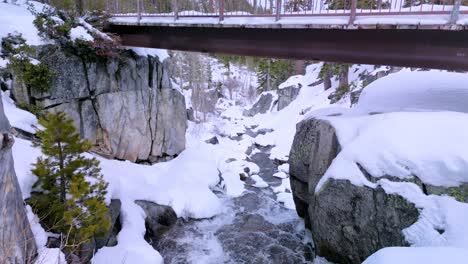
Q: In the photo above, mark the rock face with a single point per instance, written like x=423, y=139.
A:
x=126, y=107
x=17, y=243
x=348, y=223
x=287, y=95
x=261, y=106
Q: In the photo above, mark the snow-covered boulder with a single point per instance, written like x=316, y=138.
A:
x=416, y=91
x=365, y=182
x=17, y=243
x=348, y=222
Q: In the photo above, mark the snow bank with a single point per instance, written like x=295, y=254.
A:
x=424, y=90
x=18, y=118
x=426, y=255
x=431, y=145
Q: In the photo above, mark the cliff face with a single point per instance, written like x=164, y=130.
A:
x=126, y=106
x=17, y=244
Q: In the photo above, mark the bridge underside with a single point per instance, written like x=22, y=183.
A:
x=437, y=49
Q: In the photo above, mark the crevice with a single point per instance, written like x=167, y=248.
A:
x=424, y=188
x=151, y=105
x=150, y=72
x=93, y=101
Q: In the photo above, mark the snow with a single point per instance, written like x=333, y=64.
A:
x=285, y=186
x=431, y=145
x=18, y=118
x=131, y=247
x=416, y=91
x=80, y=33
x=17, y=18
x=292, y=21
x=45, y=255
x=259, y=182
x=426, y=255
x=162, y=54
x=280, y=174
x=286, y=199
x=284, y=168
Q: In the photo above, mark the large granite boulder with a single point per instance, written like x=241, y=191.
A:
x=348, y=222
x=287, y=94
x=263, y=104
x=17, y=243
x=126, y=107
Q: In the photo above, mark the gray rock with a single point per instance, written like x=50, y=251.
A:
x=348, y=223
x=261, y=106
x=86, y=251
x=190, y=115
x=17, y=243
x=214, y=141
x=287, y=95
x=125, y=107
x=159, y=219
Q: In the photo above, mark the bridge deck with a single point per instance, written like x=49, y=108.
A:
x=435, y=21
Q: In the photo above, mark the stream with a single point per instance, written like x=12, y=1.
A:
x=253, y=228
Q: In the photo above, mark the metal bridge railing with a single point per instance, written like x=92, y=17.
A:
x=284, y=8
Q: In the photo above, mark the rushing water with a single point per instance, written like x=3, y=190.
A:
x=253, y=228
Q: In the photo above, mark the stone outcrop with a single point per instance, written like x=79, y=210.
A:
x=287, y=95
x=17, y=243
x=126, y=106
x=348, y=222
x=262, y=105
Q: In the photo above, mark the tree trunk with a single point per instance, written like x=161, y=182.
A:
x=268, y=88
x=343, y=76
x=62, y=176
x=79, y=7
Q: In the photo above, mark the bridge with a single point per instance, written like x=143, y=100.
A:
x=411, y=33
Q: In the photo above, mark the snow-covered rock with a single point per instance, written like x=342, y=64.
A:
x=408, y=170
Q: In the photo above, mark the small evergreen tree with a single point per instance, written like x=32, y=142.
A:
x=69, y=191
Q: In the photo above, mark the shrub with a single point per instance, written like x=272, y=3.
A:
x=37, y=76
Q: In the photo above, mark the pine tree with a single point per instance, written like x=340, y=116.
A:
x=70, y=191
x=273, y=72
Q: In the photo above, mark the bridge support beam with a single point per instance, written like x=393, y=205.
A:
x=436, y=49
